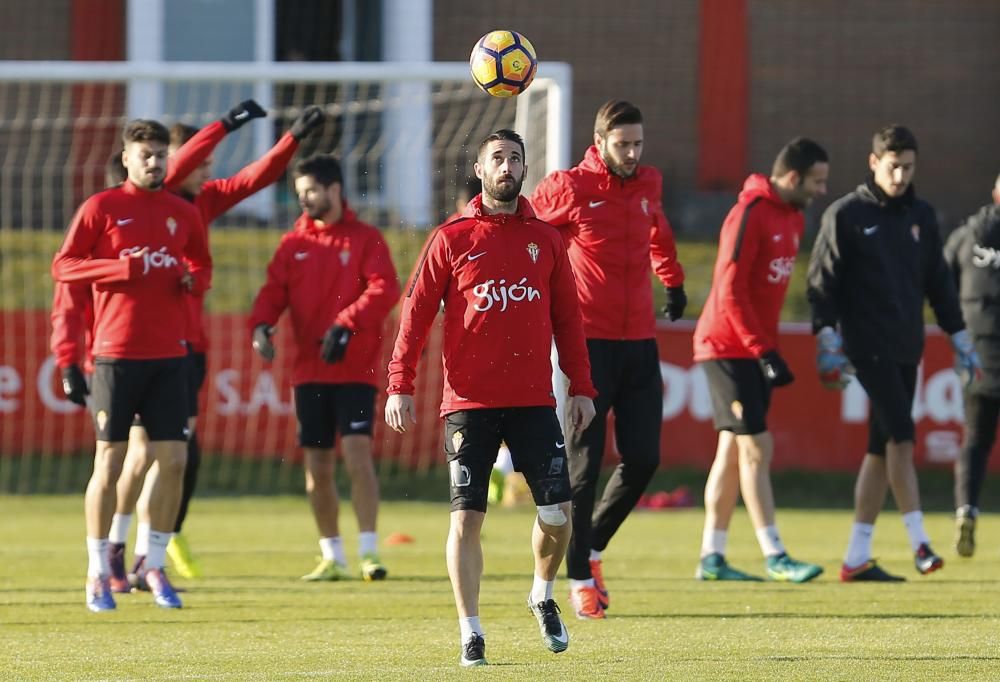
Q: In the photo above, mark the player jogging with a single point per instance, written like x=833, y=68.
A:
x=508, y=289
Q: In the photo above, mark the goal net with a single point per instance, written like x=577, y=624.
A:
x=407, y=136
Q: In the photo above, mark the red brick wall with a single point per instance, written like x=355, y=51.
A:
x=833, y=69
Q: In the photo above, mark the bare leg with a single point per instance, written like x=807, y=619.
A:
x=755, y=477
x=464, y=552
x=138, y=460
x=165, y=486
x=99, y=500
x=322, y=491
x=902, y=475
x=550, y=542
x=357, y=452
x=723, y=484
x=870, y=489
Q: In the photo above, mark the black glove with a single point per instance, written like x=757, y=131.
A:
x=677, y=301
x=74, y=385
x=334, y=343
x=310, y=119
x=243, y=112
x=775, y=369
x=262, y=341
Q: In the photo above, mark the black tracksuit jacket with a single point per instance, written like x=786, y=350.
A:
x=874, y=262
x=973, y=254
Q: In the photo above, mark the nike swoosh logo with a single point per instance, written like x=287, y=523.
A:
x=242, y=115
x=595, y=204
x=124, y=221
x=475, y=256
x=358, y=425
x=776, y=237
x=559, y=445
x=869, y=231
x=301, y=255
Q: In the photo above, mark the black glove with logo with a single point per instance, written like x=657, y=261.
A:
x=334, y=343
x=775, y=369
x=244, y=112
x=310, y=119
x=262, y=341
x=74, y=385
x=677, y=301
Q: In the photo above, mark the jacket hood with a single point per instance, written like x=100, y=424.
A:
x=870, y=191
x=474, y=209
x=758, y=186
x=593, y=163
x=307, y=224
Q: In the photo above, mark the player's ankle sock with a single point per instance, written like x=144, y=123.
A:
x=914, y=522
x=467, y=626
x=157, y=554
x=713, y=541
x=97, y=557
x=541, y=589
x=333, y=550
x=769, y=541
x=142, y=539
x=577, y=584
x=367, y=542
x=859, y=548
x=595, y=555
x=119, y=528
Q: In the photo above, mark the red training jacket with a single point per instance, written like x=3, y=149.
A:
x=72, y=325
x=614, y=228
x=140, y=308
x=507, y=287
x=757, y=248
x=336, y=274
x=219, y=195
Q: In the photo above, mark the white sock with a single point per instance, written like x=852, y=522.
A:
x=142, y=539
x=769, y=541
x=914, y=522
x=859, y=549
x=157, y=554
x=333, y=550
x=119, y=528
x=467, y=626
x=595, y=555
x=367, y=542
x=541, y=589
x=713, y=541
x=97, y=557
x=576, y=584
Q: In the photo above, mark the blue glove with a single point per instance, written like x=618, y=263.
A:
x=834, y=369
x=966, y=358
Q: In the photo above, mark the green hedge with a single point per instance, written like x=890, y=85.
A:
x=241, y=257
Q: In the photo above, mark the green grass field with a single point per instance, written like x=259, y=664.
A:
x=251, y=619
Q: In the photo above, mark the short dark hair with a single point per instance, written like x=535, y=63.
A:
x=799, y=155
x=323, y=167
x=115, y=172
x=502, y=134
x=614, y=113
x=893, y=138
x=181, y=133
x=145, y=130
x=471, y=187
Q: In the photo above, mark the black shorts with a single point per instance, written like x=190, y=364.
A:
x=153, y=390
x=196, y=379
x=537, y=449
x=324, y=410
x=740, y=395
x=890, y=387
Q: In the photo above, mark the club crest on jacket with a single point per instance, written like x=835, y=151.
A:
x=533, y=251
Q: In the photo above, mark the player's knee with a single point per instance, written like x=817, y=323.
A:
x=552, y=514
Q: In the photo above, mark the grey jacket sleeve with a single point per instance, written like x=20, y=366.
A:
x=939, y=283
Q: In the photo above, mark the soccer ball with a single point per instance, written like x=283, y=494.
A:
x=503, y=63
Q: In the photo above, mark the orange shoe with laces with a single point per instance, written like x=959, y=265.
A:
x=586, y=603
x=598, y=575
